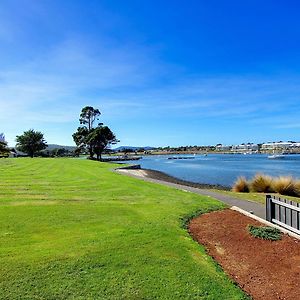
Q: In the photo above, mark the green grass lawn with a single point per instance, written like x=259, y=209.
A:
x=72, y=229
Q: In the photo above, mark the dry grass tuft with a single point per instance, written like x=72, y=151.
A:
x=285, y=185
x=241, y=185
x=297, y=187
x=262, y=184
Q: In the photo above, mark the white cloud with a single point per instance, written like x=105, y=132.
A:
x=124, y=82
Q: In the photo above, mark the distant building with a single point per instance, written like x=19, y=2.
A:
x=17, y=153
x=278, y=146
x=249, y=147
x=221, y=147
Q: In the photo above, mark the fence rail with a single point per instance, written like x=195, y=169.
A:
x=283, y=212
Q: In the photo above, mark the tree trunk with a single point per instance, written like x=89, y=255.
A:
x=91, y=152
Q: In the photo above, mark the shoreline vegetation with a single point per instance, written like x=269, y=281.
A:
x=197, y=152
x=262, y=183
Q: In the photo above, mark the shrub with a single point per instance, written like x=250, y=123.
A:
x=285, y=185
x=241, y=185
x=297, y=187
x=262, y=184
x=265, y=232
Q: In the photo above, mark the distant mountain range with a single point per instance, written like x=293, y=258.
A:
x=55, y=146
x=121, y=148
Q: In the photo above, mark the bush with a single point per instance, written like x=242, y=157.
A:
x=297, y=187
x=265, y=232
x=262, y=184
x=241, y=185
x=285, y=185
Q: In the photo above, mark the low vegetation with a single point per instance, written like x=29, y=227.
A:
x=265, y=232
x=283, y=185
x=73, y=229
x=262, y=184
x=4, y=150
x=286, y=185
x=241, y=185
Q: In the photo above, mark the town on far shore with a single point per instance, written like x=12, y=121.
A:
x=289, y=147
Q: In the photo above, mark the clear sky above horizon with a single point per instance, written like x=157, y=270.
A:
x=161, y=72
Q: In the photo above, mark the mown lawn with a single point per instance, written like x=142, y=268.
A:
x=72, y=229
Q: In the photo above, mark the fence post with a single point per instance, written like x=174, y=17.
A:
x=268, y=208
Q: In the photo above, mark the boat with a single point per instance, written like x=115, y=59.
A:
x=276, y=156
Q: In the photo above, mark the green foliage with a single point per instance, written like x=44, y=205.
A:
x=185, y=220
x=265, y=232
x=31, y=142
x=88, y=116
x=94, y=139
x=99, y=138
x=80, y=136
x=4, y=151
x=72, y=229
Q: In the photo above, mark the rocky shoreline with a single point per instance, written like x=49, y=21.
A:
x=165, y=177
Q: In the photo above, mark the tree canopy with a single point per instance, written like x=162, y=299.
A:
x=88, y=116
x=31, y=142
x=99, y=138
x=90, y=137
x=4, y=150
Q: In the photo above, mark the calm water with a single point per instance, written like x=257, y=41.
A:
x=222, y=168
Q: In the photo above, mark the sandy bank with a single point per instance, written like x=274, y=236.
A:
x=146, y=173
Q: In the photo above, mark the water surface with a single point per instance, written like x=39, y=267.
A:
x=221, y=168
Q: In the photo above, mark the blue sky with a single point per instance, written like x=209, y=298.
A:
x=161, y=72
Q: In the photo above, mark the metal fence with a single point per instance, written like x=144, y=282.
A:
x=283, y=212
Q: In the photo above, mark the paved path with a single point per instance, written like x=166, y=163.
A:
x=257, y=208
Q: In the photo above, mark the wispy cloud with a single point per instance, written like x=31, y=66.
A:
x=232, y=97
x=127, y=81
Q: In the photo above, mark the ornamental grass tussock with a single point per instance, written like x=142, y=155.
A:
x=241, y=185
x=285, y=185
x=262, y=183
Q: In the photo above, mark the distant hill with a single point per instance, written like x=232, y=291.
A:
x=121, y=148
x=54, y=146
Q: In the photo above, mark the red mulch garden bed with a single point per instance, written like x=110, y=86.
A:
x=264, y=269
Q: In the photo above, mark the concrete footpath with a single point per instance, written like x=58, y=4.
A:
x=249, y=206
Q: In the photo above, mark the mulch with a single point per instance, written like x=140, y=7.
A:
x=263, y=269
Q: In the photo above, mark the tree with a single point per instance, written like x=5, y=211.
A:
x=4, y=151
x=99, y=138
x=87, y=118
x=31, y=142
x=80, y=137
x=92, y=138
